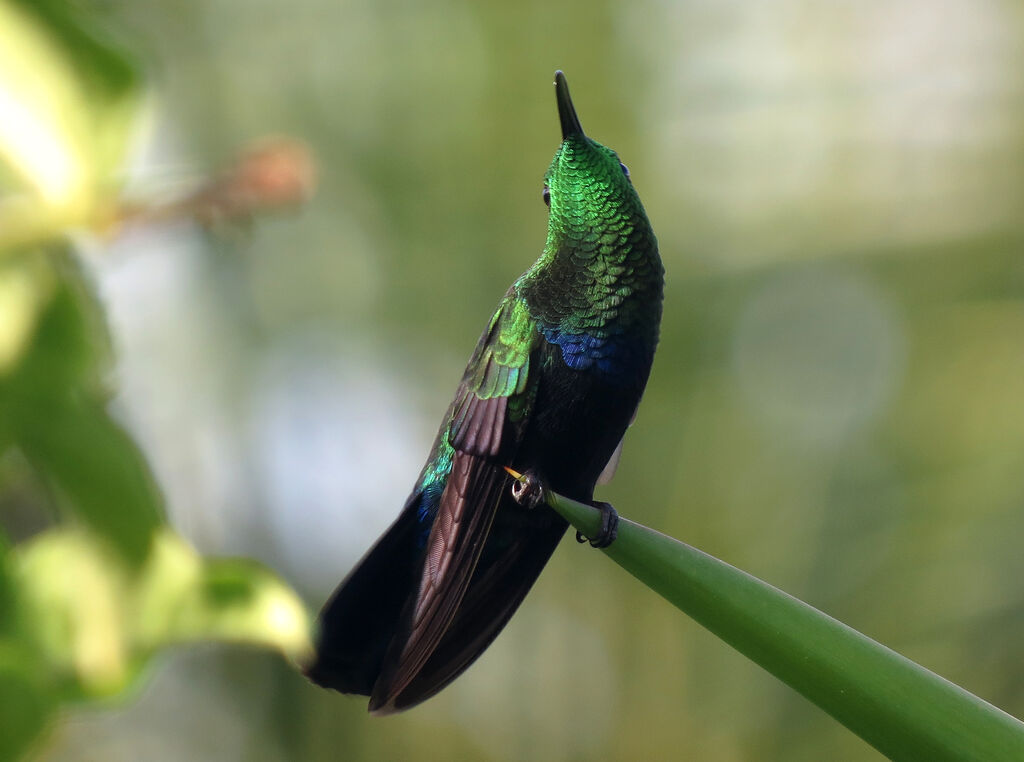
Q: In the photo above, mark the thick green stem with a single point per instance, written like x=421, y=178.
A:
x=897, y=706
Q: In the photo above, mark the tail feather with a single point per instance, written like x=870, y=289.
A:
x=457, y=538
x=503, y=577
x=365, y=624
x=358, y=622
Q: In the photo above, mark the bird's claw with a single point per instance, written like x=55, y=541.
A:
x=609, y=527
x=529, y=490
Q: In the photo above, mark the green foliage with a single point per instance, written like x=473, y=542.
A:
x=54, y=408
x=96, y=619
x=899, y=707
x=71, y=103
x=89, y=598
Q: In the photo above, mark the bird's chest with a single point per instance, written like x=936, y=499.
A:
x=605, y=328
x=578, y=418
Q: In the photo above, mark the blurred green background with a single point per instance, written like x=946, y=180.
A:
x=837, y=405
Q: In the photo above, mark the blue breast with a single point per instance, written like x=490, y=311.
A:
x=613, y=355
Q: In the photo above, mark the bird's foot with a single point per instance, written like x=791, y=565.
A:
x=529, y=490
x=609, y=527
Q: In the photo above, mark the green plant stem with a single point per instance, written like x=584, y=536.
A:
x=897, y=706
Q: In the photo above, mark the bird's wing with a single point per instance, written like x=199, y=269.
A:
x=495, y=393
x=509, y=566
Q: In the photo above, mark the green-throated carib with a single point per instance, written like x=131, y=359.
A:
x=549, y=391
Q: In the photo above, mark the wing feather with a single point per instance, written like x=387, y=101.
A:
x=500, y=583
x=483, y=441
x=453, y=548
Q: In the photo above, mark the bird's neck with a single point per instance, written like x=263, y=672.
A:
x=594, y=278
x=599, y=301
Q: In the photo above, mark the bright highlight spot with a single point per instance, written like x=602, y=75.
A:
x=39, y=101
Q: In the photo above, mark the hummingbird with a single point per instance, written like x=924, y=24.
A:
x=549, y=391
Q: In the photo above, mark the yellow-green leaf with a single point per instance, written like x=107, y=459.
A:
x=68, y=103
x=96, y=621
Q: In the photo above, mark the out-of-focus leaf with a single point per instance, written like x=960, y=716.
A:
x=187, y=598
x=70, y=350
x=26, y=701
x=68, y=99
x=105, y=73
x=96, y=621
x=25, y=704
x=52, y=407
x=26, y=285
x=73, y=593
x=101, y=472
x=44, y=131
x=7, y=593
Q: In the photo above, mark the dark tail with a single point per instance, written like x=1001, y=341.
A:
x=358, y=622
x=510, y=564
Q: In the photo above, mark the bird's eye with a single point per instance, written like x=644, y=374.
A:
x=547, y=195
x=625, y=169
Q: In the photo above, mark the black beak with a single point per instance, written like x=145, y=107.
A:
x=566, y=111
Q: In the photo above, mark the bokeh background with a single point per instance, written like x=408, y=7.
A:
x=837, y=405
